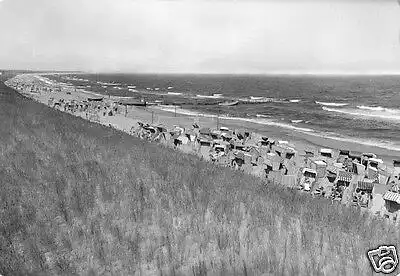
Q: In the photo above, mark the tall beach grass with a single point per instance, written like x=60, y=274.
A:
x=78, y=198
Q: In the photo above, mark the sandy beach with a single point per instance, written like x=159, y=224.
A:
x=268, y=165
x=300, y=140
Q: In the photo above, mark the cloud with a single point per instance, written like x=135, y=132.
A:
x=200, y=36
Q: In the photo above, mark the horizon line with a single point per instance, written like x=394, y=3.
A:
x=273, y=73
x=388, y=73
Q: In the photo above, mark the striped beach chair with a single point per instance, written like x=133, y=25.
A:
x=345, y=176
x=372, y=173
x=391, y=196
x=365, y=186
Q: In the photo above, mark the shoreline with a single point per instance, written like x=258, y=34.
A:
x=300, y=133
x=175, y=187
x=299, y=139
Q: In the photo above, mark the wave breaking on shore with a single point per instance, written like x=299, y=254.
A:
x=263, y=120
x=378, y=113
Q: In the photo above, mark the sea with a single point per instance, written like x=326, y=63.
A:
x=362, y=109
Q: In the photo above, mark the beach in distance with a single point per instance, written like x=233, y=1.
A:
x=359, y=113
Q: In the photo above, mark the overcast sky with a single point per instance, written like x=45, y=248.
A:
x=208, y=36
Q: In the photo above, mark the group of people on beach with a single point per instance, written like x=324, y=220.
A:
x=358, y=179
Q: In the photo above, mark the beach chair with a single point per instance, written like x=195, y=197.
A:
x=326, y=153
x=363, y=203
x=354, y=201
x=57, y=105
x=384, y=176
x=318, y=191
x=307, y=185
x=320, y=167
x=358, y=168
x=372, y=173
x=300, y=186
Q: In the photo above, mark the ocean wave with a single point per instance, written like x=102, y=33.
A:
x=214, y=96
x=263, y=116
x=375, y=108
x=366, y=142
x=249, y=120
x=378, y=108
x=121, y=97
x=174, y=93
x=296, y=121
x=333, y=136
x=331, y=104
x=384, y=114
x=294, y=101
x=178, y=110
x=92, y=93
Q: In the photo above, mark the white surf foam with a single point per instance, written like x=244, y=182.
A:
x=331, y=104
x=294, y=101
x=382, y=114
x=174, y=93
x=208, y=97
x=366, y=142
x=378, y=108
x=122, y=97
x=250, y=120
x=374, y=108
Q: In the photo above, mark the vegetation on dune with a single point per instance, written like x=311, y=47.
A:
x=78, y=198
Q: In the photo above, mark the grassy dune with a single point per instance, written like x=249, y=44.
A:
x=81, y=199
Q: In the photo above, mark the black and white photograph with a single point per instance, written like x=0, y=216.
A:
x=199, y=137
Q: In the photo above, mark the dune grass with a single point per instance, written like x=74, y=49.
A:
x=78, y=198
